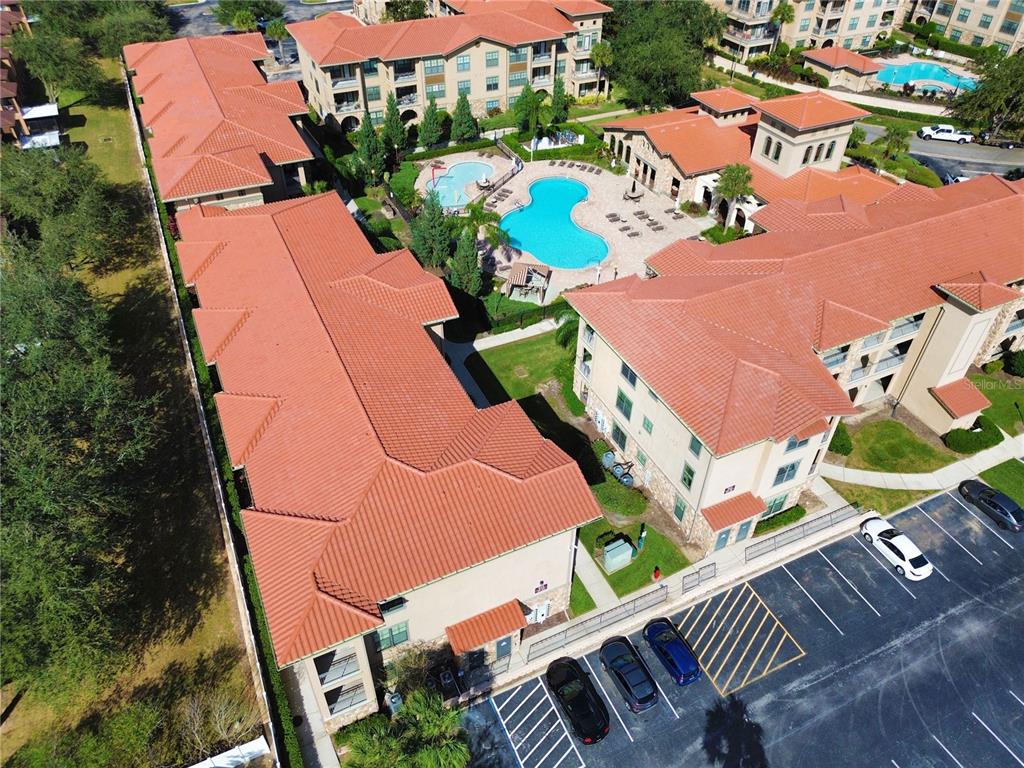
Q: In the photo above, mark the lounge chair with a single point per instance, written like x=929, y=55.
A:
x=551, y=162
x=634, y=233
x=678, y=215
x=641, y=214
x=625, y=228
x=615, y=218
x=657, y=228
x=611, y=216
x=669, y=210
x=597, y=171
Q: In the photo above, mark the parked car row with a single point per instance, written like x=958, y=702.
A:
x=579, y=700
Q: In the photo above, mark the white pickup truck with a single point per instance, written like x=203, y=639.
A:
x=944, y=133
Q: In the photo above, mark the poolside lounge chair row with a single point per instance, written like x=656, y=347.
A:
x=581, y=166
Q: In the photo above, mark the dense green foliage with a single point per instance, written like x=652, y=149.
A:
x=225, y=11
x=442, y=151
x=984, y=436
x=61, y=63
x=993, y=366
x=430, y=233
x=405, y=10
x=393, y=132
x=430, y=126
x=559, y=101
x=371, y=156
x=464, y=266
x=464, y=125
x=1015, y=362
x=781, y=520
x=527, y=109
x=734, y=182
x=841, y=441
x=998, y=100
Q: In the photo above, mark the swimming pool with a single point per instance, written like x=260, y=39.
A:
x=545, y=227
x=898, y=74
x=451, y=187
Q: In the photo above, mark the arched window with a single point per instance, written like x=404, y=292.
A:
x=767, y=146
x=818, y=151
x=778, y=151
x=807, y=155
x=831, y=150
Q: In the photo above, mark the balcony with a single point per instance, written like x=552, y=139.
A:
x=408, y=99
x=588, y=336
x=834, y=360
x=585, y=370
x=541, y=57
x=345, y=81
x=745, y=35
x=1015, y=324
x=347, y=106
x=905, y=329
x=889, y=362
x=545, y=80
x=586, y=74
x=402, y=76
x=874, y=340
x=859, y=373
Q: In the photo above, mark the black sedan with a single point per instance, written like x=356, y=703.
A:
x=631, y=675
x=1005, y=511
x=576, y=695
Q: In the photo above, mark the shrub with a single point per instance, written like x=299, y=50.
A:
x=841, y=441
x=984, y=435
x=781, y=520
x=1015, y=363
x=428, y=154
x=993, y=366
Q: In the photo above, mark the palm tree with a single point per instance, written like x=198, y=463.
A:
x=276, y=30
x=477, y=217
x=568, y=327
x=733, y=183
x=782, y=15
x=433, y=731
x=373, y=742
x=896, y=141
x=601, y=55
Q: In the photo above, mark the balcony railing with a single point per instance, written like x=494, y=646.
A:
x=539, y=57
x=859, y=373
x=585, y=370
x=905, y=329
x=546, y=80
x=834, y=360
x=874, y=340
x=1015, y=324
x=585, y=74
x=739, y=34
x=889, y=362
x=341, y=82
x=408, y=99
x=346, y=106
x=588, y=335
x=401, y=76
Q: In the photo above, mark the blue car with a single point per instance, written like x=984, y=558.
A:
x=672, y=651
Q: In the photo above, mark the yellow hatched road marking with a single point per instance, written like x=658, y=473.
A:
x=739, y=661
x=696, y=621
x=757, y=658
x=711, y=621
x=764, y=674
x=781, y=625
x=739, y=635
x=725, y=638
x=685, y=618
x=725, y=619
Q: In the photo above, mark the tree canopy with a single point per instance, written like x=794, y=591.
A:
x=997, y=103
x=559, y=101
x=431, y=241
x=226, y=10
x=61, y=63
x=393, y=132
x=430, y=125
x=464, y=125
x=527, y=108
x=405, y=10
x=370, y=151
x=464, y=266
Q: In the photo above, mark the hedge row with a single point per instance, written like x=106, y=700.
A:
x=841, y=443
x=985, y=436
x=280, y=710
x=429, y=154
x=781, y=520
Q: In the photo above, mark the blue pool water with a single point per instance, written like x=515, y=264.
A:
x=898, y=74
x=545, y=228
x=451, y=187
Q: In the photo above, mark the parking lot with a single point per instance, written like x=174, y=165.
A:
x=829, y=660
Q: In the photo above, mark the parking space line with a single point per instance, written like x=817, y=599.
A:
x=711, y=658
x=843, y=577
x=696, y=621
x=971, y=513
x=813, y=601
x=609, y=698
x=735, y=642
x=541, y=739
x=725, y=599
x=1016, y=697
x=951, y=756
x=1001, y=742
x=552, y=749
x=894, y=762
x=951, y=537
x=567, y=753
x=572, y=743
x=525, y=718
x=939, y=571
x=782, y=626
x=664, y=697
x=746, y=650
x=513, y=695
x=768, y=670
x=512, y=713
x=885, y=567
x=686, y=617
x=503, y=728
x=535, y=727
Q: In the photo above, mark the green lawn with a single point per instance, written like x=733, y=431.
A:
x=106, y=131
x=403, y=182
x=902, y=122
x=719, y=235
x=586, y=110
x=658, y=551
x=722, y=79
x=580, y=600
x=781, y=520
x=1008, y=477
x=882, y=499
x=1003, y=392
x=500, y=120
x=613, y=495
x=498, y=305
x=523, y=366
x=888, y=446
x=904, y=165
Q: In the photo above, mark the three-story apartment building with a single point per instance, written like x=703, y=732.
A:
x=981, y=23
x=722, y=375
x=349, y=68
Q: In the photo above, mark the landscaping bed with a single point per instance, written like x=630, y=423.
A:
x=658, y=551
x=719, y=235
x=781, y=520
x=904, y=165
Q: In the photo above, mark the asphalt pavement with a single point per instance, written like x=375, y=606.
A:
x=957, y=159
x=195, y=20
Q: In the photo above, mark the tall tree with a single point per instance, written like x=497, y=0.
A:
x=781, y=16
x=61, y=63
x=895, y=141
x=224, y=11
x=464, y=266
x=430, y=125
x=559, y=101
x=997, y=102
x=431, y=241
x=244, y=21
x=277, y=31
x=480, y=221
x=125, y=23
x=370, y=152
x=394, y=133
x=733, y=183
x=405, y=10
x=601, y=55
x=464, y=125
x=527, y=108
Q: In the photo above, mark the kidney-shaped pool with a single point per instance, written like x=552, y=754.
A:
x=545, y=228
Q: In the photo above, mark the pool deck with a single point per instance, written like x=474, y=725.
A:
x=495, y=158
x=626, y=254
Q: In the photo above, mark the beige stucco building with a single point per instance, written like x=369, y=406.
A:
x=842, y=68
x=487, y=51
x=992, y=22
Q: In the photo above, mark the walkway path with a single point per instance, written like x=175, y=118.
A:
x=859, y=98
x=947, y=477
x=595, y=582
x=603, y=116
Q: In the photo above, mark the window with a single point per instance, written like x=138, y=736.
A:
x=492, y=84
x=1008, y=28
x=1004, y=48
x=377, y=117
x=618, y=436
x=628, y=374
x=977, y=41
x=786, y=473
x=335, y=665
x=865, y=41
x=492, y=104
x=809, y=5
x=641, y=458
x=585, y=66
x=805, y=24
x=517, y=55
x=801, y=43
x=687, y=478
x=517, y=78
x=965, y=13
x=648, y=425
x=370, y=67
x=389, y=637
x=437, y=91
x=954, y=35
x=464, y=87
x=623, y=404
x=775, y=506
x=695, y=446
x=462, y=63
x=373, y=93
x=858, y=5
x=853, y=23
x=872, y=20
x=986, y=21
x=491, y=58
x=831, y=147
x=794, y=444
x=392, y=606
x=344, y=698
x=847, y=43
x=679, y=509
x=821, y=147
x=767, y=146
x=807, y=156
x=433, y=66
x=944, y=9
x=560, y=67
x=777, y=152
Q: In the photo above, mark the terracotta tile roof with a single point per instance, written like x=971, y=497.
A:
x=370, y=470
x=842, y=58
x=816, y=427
x=729, y=345
x=568, y=7
x=212, y=117
x=825, y=215
x=810, y=110
x=336, y=38
x=485, y=627
x=855, y=184
x=727, y=513
x=978, y=291
x=960, y=398
x=724, y=100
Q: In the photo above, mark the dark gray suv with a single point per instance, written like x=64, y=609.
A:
x=1005, y=511
x=631, y=675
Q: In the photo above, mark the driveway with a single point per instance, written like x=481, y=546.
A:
x=960, y=159
x=195, y=20
x=831, y=660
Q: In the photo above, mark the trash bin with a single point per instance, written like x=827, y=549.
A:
x=394, y=703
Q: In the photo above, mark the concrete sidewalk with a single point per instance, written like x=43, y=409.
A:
x=595, y=582
x=947, y=477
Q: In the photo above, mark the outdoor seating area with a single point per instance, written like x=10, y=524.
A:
x=585, y=167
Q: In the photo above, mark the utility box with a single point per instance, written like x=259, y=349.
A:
x=617, y=555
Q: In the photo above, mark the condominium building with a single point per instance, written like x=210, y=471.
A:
x=724, y=373
x=977, y=23
x=382, y=509
x=793, y=145
x=851, y=24
x=219, y=133
x=488, y=52
x=29, y=126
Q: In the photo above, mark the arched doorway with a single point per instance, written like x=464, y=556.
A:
x=723, y=210
x=741, y=218
x=629, y=150
x=542, y=94
x=921, y=20
x=708, y=198
x=408, y=115
x=828, y=44
x=350, y=124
